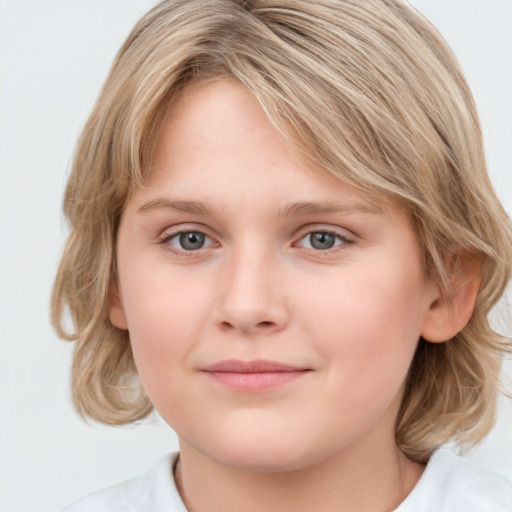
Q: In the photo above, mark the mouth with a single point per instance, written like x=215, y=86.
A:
x=253, y=376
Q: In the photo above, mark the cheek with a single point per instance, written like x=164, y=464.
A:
x=168, y=313
x=162, y=322
x=161, y=304
x=367, y=319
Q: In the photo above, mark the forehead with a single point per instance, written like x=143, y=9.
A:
x=215, y=117
x=215, y=137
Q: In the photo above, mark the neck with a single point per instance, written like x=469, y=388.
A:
x=355, y=480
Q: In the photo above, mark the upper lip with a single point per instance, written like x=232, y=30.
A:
x=255, y=366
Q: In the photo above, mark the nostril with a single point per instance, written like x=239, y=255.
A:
x=265, y=324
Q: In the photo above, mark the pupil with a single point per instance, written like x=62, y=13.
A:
x=322, y=241
x=191, y=241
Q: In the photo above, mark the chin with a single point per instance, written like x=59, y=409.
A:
x=262, y=462
x=264, y=455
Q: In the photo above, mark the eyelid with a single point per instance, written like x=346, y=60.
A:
x=172, y=232
x=184, y=227
x=326, y=228
x=345, y=236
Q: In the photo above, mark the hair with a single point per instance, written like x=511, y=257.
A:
x=370, y=92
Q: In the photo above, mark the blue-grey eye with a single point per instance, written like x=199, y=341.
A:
x=322, y=241
x=191, y=240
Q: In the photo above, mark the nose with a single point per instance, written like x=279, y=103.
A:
x=252, y=298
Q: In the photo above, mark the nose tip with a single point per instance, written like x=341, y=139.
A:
x=250, y=300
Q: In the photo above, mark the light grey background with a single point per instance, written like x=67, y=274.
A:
x=54, y=55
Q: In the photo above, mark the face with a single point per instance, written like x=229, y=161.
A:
x=273, y=312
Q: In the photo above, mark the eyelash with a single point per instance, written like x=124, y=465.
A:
x=341, y=241
x=168, y=237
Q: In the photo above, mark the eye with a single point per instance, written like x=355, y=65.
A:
x=188, y=241
x=323, y=240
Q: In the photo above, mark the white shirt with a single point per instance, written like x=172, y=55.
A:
x=448, y=484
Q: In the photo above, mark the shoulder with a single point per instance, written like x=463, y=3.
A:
x=453, y=484
x=154, y=490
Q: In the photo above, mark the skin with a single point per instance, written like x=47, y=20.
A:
x=349, y=316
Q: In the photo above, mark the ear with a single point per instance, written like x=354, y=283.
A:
x=115, y=308
x=450, y=312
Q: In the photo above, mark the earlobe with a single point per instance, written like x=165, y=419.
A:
x=115, y=308
x=450, y=312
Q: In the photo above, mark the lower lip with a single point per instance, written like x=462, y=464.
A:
x=257, y=381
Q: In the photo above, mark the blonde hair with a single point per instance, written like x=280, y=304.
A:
x=370, y=92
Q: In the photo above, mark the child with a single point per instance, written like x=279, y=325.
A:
x=284, y=239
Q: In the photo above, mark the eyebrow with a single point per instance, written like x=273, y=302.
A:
x=193, y=207
x=293, y=210
x=312, y=208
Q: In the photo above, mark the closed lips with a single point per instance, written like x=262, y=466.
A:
x=257, y=366
x=253, y=376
